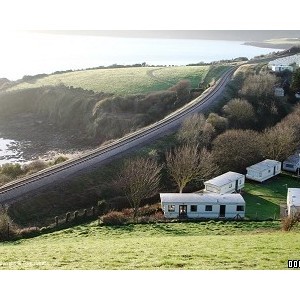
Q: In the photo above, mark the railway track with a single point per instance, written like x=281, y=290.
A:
x=53, y=174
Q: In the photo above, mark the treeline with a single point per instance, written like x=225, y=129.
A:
x=97, y=117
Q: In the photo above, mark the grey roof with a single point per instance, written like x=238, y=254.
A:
x=224, y=178
x=294, y=196
x=264, y=165
x=294, y=159
x=201, y=198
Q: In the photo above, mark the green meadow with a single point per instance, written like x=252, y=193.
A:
x=195, y=245
x=125, y=81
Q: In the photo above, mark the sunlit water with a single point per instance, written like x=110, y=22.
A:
x=31, y=53
x=10, y=151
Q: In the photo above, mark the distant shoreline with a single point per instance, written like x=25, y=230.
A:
x=269, y=45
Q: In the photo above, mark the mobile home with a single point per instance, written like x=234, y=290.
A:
x=293, y=201
x=226, y=183
x=292, y=163
x=263, y=170
x=202, y=205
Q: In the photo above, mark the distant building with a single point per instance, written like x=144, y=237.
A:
x=292, y=163
x=281, y=68
x=293, y=201
x=202, y=205
x=263, y=170
x=279, y=92
x=226, y=183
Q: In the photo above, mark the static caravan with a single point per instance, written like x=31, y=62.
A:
x=263, y=170
x=292, y=163
x=226, y=183
x=202, y=205
x=293, y=201
x=281, y=68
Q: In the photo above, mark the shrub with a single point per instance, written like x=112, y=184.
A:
x=35, y=166
x=114, y=218
x=60, y=159
x=7, y=228
x=11, y=170
x=287, y=223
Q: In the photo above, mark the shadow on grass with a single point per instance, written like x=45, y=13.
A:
x=260, y=208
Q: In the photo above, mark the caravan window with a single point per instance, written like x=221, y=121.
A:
x=208, y=207
x=193, y=207
x=171, y=208
x=230, y=185
x=289, y=165
x=240, y=208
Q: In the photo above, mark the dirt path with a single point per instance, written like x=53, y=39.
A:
x=151, y=74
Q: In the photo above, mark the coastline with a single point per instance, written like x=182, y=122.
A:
x=282, y=46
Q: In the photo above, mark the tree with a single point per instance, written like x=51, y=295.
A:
x=279, y=142
x=240, y=113
x=258, y=86
x=219, y=123
x=195, y=130
x=139, y=179
x=296, y=81
x=234, y=150
x=182, y=89
x=185, y=164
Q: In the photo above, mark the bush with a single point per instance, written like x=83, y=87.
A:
x=11, y=170
x=7, y=228
x=287, y=223
x=114, y=218
x=60, y=159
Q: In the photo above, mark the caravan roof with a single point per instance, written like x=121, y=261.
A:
x=264, y=165
x=224, y=178
x=201, y=198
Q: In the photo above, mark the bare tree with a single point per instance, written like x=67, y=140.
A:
x=195, y=130
x=279, y=142
x=184, y=164
x=240, y=113
x=235, y=150
x=139, y=179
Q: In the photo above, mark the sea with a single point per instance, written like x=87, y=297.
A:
x=30, y=53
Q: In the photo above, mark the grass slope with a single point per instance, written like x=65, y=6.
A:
x=263, y=200
x=205, y=245
x=123, y=81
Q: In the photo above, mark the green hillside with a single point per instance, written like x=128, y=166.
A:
x=200, y=246
x=123, y=81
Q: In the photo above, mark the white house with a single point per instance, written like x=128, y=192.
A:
x=292, y=163
x=202, y=205
x=293, y=201
x=226, y=183
x=263, y=170
x=281, y=68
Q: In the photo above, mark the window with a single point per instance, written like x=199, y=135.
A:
x=230, y=185
x=171, y=208
x=240, y=181
x=269, y=171
x=260, y=174
x=289, y=166
x=240, y=208
x=193, y=207
x=208, y=207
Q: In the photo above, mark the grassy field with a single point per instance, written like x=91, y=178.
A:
x=200, y=246
x=124, y=81
x=263, y=200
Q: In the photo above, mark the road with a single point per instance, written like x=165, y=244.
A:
x=106, y=153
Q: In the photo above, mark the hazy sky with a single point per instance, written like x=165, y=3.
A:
x=234, y=35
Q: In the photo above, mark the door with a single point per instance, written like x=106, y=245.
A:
x=222, y=211
x=237, y=185
x=182, y=211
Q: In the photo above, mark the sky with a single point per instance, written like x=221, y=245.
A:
x=149, y=15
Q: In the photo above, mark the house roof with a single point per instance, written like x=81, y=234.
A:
x=224, y=178
x=264, y=165
x=293, y=196
x=201, y=198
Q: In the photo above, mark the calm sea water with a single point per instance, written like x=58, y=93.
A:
x=30, y=53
